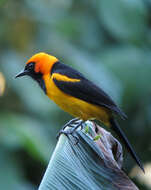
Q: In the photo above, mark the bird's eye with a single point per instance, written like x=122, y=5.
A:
x=30, y=66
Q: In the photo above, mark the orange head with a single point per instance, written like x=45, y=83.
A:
x=43, y=62
x=38, y=65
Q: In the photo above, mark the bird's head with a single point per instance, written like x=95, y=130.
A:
x=37, y=66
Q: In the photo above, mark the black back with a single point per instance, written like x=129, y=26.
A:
x=84, y=89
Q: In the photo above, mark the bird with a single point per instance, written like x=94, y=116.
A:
x=76, y=94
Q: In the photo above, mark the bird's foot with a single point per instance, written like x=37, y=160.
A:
x=75, y=124
x=71, y=123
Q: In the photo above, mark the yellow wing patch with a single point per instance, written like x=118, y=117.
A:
x=64, y=78
x=70, y=104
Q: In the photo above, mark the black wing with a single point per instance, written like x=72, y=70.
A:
x=84, y=89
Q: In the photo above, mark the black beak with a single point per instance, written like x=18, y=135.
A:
x=22, y=73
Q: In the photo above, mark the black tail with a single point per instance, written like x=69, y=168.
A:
x=120, y=133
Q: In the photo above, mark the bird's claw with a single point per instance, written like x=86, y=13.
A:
x=74, y=124
x=71, y=123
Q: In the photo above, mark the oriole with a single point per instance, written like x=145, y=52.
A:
x=75, y=94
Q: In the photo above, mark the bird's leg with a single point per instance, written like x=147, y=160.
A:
x=68, y=124
x=77, y=126
x=71, y=131
x=83, y=125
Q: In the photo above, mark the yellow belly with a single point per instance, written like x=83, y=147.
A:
x=75, y=106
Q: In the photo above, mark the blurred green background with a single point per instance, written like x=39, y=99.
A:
x=107, y=40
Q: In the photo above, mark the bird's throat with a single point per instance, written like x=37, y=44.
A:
x=42, y=84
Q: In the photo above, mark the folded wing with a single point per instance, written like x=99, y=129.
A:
x=84, y=89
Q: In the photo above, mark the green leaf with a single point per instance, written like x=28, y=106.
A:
x=86, y=129
x=97, y=137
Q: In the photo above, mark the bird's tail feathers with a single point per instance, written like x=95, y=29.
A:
x=115, y=126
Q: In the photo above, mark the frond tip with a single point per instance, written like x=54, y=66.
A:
x=89, y=165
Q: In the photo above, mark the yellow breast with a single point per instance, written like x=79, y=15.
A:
x=72, y=105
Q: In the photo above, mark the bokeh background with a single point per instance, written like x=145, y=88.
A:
x=107, y=40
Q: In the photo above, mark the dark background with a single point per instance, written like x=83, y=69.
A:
x=107, y=40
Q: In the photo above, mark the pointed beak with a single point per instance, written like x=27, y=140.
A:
x=22, y=73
